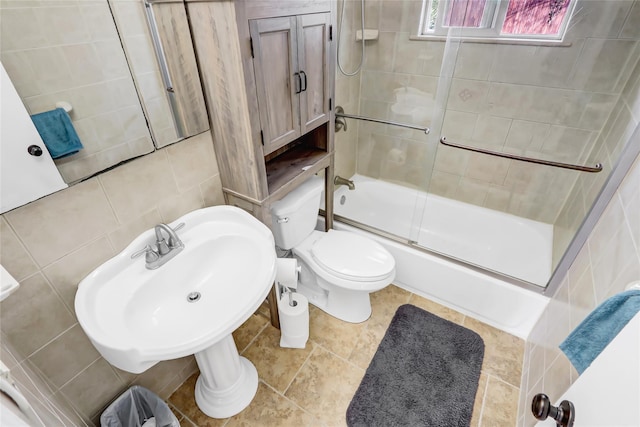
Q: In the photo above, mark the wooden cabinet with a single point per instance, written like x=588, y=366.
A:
x=268, y=97
x=291, y=67
x=267, y=73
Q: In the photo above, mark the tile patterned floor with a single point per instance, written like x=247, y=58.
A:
x=313, y=386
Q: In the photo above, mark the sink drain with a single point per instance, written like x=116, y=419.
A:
x=193, y=296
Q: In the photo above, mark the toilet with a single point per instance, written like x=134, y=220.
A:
x=338, y=268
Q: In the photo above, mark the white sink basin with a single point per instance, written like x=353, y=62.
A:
x=137, y=317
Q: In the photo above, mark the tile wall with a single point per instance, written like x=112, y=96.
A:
x=548, y=102
x=608, y=261
x=70, y=51
x=618, y=129
x=49, y=245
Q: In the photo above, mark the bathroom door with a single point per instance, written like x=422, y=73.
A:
x=23, y=177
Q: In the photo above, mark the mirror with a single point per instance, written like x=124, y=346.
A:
x=98, y=56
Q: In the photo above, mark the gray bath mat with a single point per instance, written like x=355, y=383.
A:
x=424, y=373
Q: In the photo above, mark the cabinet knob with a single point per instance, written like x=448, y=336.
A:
x=34, y=150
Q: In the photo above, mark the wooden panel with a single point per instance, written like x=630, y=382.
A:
x=277, y=81
x=269, y=9
x=175, y=37
x=313, y=59
x=216, y=40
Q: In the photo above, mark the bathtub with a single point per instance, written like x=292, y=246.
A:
x=391, y=208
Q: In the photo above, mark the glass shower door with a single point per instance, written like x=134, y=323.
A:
x=509, y=93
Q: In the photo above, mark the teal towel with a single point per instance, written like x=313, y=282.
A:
x=57, y=132
x=597, y=330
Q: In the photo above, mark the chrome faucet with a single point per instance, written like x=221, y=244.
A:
x=338, y=181
x=164, y=249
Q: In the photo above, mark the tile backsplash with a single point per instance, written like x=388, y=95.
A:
x=49, y=245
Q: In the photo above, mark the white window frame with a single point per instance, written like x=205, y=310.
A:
x=492, y=21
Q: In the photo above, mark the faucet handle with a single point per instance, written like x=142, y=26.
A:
x=179, y=226
x=150, y=254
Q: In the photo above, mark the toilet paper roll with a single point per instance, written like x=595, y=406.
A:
x=287, y=272
x=294, y=321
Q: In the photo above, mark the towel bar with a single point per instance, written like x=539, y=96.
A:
x=597, y=168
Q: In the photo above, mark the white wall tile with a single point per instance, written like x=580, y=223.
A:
x=600, y=64
x=631, y=28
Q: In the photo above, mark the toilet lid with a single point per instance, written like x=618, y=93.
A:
x=352, y=257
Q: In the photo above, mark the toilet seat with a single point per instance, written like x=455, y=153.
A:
x=352, y=257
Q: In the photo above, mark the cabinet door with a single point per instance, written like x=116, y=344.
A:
x=313, y=65
x=277, y=79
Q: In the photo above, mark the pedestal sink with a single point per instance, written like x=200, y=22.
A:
x=137, y=317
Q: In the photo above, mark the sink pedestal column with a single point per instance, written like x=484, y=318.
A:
x=227, y=382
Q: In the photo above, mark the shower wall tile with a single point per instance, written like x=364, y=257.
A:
x=600, y=64
x=631, y=92
x=631, y=28
x=498, y=199
x=382, y=86
x=526, y=136
x=487, y=170
x=474, y=61
x=371, y=13
x=410, y=55
x=471, y=191
x=390, y=15
x=491, y=130
x=468, y=95
x=601, y=19
x=534, y=65
x=597, y=111
x=377, y=56
x=71, y=232
x=433, y=57
x=458, y=125
x=444, y=184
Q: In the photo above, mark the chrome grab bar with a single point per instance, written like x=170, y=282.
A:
x=597, y=168
x=340, y=113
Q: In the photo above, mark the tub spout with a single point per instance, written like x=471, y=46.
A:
x=338, y=181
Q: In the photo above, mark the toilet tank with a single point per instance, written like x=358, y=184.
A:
x=296, y=214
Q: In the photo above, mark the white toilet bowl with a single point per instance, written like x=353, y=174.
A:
x=339, y=269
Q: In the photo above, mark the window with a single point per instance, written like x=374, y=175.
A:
x=500, y=19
